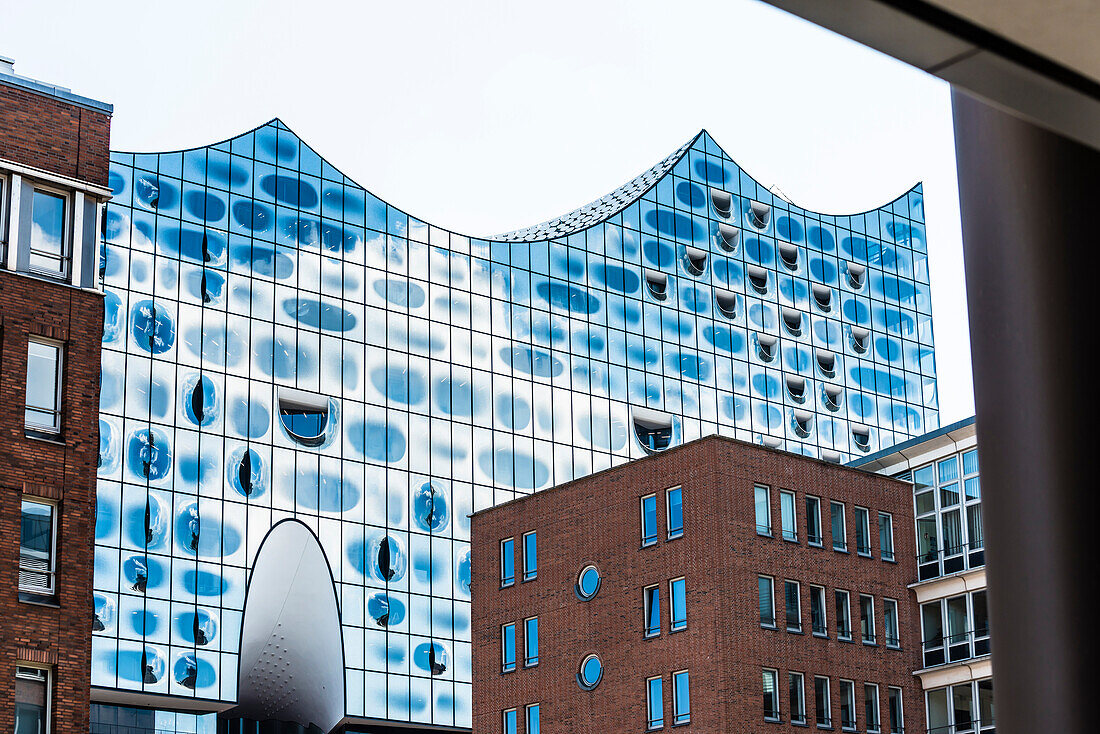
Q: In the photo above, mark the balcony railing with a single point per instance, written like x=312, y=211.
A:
x=937, y=562
x=974, y=727
x=954, y=648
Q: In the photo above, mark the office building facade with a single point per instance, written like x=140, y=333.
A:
x=949, y=592
x=294, y=369
x=720, y=586
x=54, y=152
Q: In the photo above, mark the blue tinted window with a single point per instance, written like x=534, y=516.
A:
x=530, y=557
x=510, y=721
x=678, y=593
x=508, y=647
x=675, y=513
x=507, y=562
x=681, y=699
x=533, y=719
x=649, y=519
x=531, y=642
x=652, y=611
x=655, y=703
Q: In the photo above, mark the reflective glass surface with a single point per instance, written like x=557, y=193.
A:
x=458, y=373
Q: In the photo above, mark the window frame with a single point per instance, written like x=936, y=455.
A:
x=675, y=625
x=651, y=539
x=787, y=585
x=507, y=666
x=851, y=700
x=5, y=192
x=893, y=643
x=792, y=535
x=530, y=572
x=886, y=550
x=45, y=675
x=653, y=724
x=673, y=533
x=59, y=377
x=680, y=718
x=504, y=721
x=939, y=560
x=844, y=634
x=797, y=716
x=764, y=530
x=862, y=518
x=978, y=724
x=828, y=701
x=771, y=598
x=507, y=546
x=530, y=661
x=867, y=632
x=843, y=545
x=527, y=718
x=772, y=714
x=900, y=728
x=818, y=590
x=651, y=606
x=51, y=570
x=816, y=515
x=66, y=256
x=874, y=726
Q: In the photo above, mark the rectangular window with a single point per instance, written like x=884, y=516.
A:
x=509, y=721
x=796, y=698
x=531, y=642
x=675, y=509
x=870, y=707
x=530, y=557
x=771, y=695
x=932, y=643
x=958, y=629
x=48, y=247
x=655, y=703
x=836, y=511
x=843, y=615
x=981, y=623
x=43, y=386
x=890, y=621
x=763, y=510
x=681, y=698
x=508, y=647
x=3, y=221
x=32, y=700
x=793, y=598
x=507, y=562
x=786, y=515
x=37, y=546
x=813, y=521
x=649, y=519
x=863, y=531
x=766, y=588
x=897, y=717
x=677, y=594
x=652, y=596
x=867, y=618
x=886, y=536
x=985, y=704
x=847, y=705
x=533, y=726
x=818, y=624
x=823, y=708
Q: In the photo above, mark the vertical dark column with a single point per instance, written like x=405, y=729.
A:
x=1030, y=219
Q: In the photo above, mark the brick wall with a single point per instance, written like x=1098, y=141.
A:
x=62, y=470
x=49, y=133
x=596, y=520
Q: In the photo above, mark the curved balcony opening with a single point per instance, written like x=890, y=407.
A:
x=722, y=201
x=657, y=284
x=823, y=297
x=856, y=274
x=826, y=363
x=831, y=397
x=830, y=456
x=788, y=254
x=728, y=237
x=802, y=423
x=759, y=214
x=695, y=260
x=861, y=340
x=861, y=437
x=304, y=416
x=726, y=301
x=796, y=388
x=792, y=321
x=758, y=279
x=652, y=429
x=765, y=347
x=772, y=442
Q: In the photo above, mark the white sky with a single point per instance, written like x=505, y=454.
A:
x=491, y=115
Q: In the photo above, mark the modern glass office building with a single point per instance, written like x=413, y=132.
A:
x=307, y=391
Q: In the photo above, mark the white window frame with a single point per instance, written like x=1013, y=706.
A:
x=504, y=580
x=851, y=685
x=651, y=723
x=648, y=540
x=901, y=710
x=873, y=727
x=504, y=720
x=843, y=548
x=66, y=232
x=863, y=524
x=51, y=570
x=814, y=589
x=527, y=716
x=44, y=674
x=820, y=542
x=970, y=546
x=529, y=662
x=799, y=716
x=678, y=533
x=5, y=195
x=793, y=535
x=771, y=583
x=871, y=637
x=672, y=623
x=847, y=614
x=828, y=723
x=895, y=644
x=765, y=530
x=676, y=716
x=504, y=648
x=777, y=716
x=787, y=606
x=648, y=630
x=54, y=429
x=529, y=575
x=889, y=523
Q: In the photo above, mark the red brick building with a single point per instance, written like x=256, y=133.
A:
x=53, y=183
x=722, y=574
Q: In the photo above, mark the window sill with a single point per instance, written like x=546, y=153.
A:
x=815, y=543
x=677, y=629
x=651, y=635
x=649, y=543
x=840, y=550
x=529, y=578
x=861, y=554
x=531, y=665
x=889, y=560
x=45, y=437
x=674, y=536
x=40, y=600
x=849, y=640
x=794, y=630
x=792, y=540
x=800, y=724
x=773, y=721
x=506, y=585
x=821, y=635
x=893, y=647
x=771, y=627
x=826, y=727
x=681, y=723
x=870, y=643
x=764, y=535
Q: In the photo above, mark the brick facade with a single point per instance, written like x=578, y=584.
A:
x=597, y=520
x=54, y=135
x=45, y=132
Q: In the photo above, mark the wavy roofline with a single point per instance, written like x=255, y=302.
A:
x=590, y=212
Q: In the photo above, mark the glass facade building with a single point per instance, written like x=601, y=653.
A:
x=281, y=347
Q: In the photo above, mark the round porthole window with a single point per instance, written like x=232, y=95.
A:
x=588, y=677
x=588, y=583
